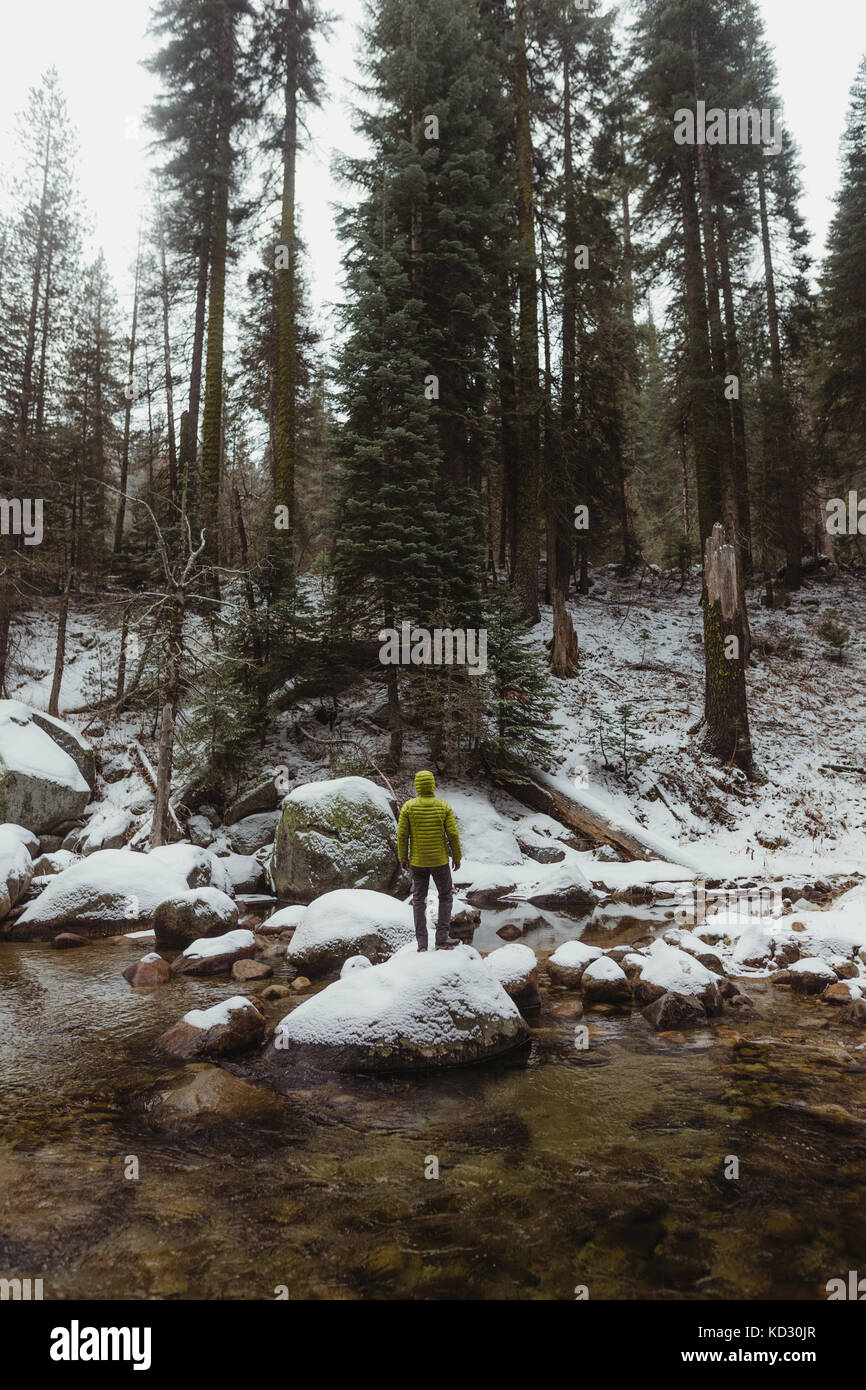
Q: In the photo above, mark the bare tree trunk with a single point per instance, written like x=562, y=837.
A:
x=727, y=734
x=127, y=418
x=60, y=649
x=163, y=827
x=527, y=522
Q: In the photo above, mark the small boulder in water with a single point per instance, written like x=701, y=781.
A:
x=605, y=982
x=516, y=969
x=151, y=970
x=213, y=955
x=230, y=1026
x=568, y=962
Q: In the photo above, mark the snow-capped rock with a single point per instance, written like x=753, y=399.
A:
x=198, y=912
x=117, y=888
x=16, y=868
x=605, y=982
x=230, y=1026
x=568, y=962
x=516, y=969
x=417, y=1010
x=215, y=955
x=40, y=783
x=349, y=922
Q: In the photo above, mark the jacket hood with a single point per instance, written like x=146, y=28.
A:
x=425, y=784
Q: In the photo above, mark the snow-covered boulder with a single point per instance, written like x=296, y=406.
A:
x=230, y=1026
x=40, y=783
x=605, y=982
x=71, y=741
x=417, y=1010
x=253, y=832
x=198, y=912
x=811, y=975
x=21, y=833
x=115, y=889
x=107, y=830
x=286, y=919
x=668, y=969
x=568, y=962
x=47, y=865
x=198, y=867
x=516, y=969
x=200, y=831
x=243, y=873
x=335, y=834
x=16, y=868
x=215, y=955
x=349, y=922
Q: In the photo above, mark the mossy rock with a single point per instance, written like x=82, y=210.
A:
x=335, y=834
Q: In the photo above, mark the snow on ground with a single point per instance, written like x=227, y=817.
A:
x=640, y=643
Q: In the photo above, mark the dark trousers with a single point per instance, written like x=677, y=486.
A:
x=420, y=885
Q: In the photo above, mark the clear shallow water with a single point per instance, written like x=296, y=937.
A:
x=603, y=1168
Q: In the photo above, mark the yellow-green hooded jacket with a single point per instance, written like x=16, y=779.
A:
x=430, y=825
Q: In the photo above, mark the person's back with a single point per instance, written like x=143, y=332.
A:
x=426, y=832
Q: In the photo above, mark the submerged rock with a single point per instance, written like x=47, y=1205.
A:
x=335, y=834
x=349, y=922
x=417, y=1010
x=248, y=969
x=68, y=940
x=230, y=1026
x=213, y=1094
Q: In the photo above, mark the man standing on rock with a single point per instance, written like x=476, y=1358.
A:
x=430, y=825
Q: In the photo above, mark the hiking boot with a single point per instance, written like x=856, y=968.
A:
x=444, y=943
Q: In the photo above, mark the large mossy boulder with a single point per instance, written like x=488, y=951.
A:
x=40, y=783
x=417, y=1010
x=335, y=834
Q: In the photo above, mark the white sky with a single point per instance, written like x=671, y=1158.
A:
x=96, y=46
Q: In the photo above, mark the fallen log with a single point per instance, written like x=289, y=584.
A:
x=581, y=811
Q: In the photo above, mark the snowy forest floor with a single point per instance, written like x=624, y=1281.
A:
x=640, y=643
